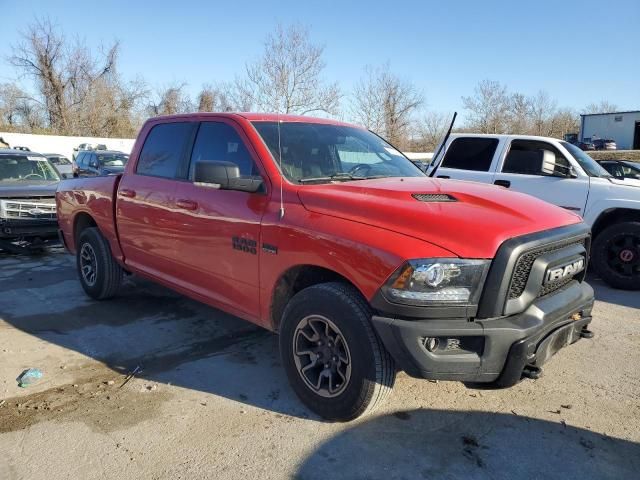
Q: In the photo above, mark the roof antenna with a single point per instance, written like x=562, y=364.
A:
x=281, y=170
x=444, y=142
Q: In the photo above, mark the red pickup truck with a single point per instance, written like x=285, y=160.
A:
x=323, y=232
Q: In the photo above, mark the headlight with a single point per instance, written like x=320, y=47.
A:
x=437, y=281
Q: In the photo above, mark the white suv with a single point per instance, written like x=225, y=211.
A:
x=562, y=174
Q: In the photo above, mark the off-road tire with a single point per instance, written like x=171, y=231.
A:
x=373, y=370
x=603, y=250
x=109, y=273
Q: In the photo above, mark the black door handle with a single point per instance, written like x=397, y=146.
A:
x=443, y=176
x=503, y=183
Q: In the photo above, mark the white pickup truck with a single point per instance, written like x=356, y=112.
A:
x=562, y=174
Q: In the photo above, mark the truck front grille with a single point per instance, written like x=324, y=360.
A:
x=525, y=262
x=29, y=209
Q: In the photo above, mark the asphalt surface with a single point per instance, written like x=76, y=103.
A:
x=210, y=399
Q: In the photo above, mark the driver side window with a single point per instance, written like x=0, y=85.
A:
x=525, y=158
x=220, y=142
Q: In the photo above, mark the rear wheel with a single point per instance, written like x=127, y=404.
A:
x=616, y=255
x=100, y=275
x=334, y=360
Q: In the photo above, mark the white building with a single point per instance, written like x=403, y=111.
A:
x=623, y=127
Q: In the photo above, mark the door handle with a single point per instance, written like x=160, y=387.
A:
x=502, y=183
x=443, y=176
x=125, y=192
x=187, y=204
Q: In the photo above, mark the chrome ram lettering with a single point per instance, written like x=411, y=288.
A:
x=564, y=271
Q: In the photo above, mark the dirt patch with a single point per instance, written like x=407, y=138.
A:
x=96, y=400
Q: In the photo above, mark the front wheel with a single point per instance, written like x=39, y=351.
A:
x=334, y=360
x=100, y=274
x=616, y=255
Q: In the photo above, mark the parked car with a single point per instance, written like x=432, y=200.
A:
x=61, y=163
x=623, y=170
x=100, y=162
x=586, y=146
x=560, y=173
x=604, y=144
x=83, y=147
x=323, y=232
x=28, y=183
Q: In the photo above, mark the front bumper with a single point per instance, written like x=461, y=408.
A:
x=12, y=229
x=487, y=350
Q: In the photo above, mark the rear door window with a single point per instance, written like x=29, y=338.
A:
x=471, y=153
x=525, y=158
x=164, y=150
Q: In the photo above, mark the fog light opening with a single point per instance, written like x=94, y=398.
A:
x=431, y=343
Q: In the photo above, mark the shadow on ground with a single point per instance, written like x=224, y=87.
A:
x=170, y=338
x=437, y=444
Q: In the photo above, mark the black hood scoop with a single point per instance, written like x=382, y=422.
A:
x=434, y=197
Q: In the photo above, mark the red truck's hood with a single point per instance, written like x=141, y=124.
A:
x=474, y=226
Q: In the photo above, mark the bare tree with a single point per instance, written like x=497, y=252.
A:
x=287, y=78
x=430, y=131
x=112, y=108
x=564, y=120
x=63, y=74
x=543, y=108
x=17, y=111
x=488, y=107
x=604, y=106
x=171, y=100
x=520, y=114
x=385, y=103
x=10, y=96
x=215, y=99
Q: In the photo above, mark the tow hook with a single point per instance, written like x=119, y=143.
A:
x=532, y=372
x=586, y=333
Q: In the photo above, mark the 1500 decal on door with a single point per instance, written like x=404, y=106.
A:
x=245, y=245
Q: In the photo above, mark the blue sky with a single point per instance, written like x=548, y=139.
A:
x=578, y=51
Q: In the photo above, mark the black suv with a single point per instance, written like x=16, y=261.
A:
x=100, y=162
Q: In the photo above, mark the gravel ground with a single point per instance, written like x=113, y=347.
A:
x=211, y=399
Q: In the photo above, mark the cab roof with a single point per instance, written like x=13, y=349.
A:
x=13, y=151
x=258, y=117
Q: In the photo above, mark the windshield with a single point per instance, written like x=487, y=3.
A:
x=59, y=160
x=18, y=167
x=112, y=160
x=587, y=163
x=313, y=152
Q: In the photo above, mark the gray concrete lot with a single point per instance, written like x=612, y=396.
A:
x=211, y=400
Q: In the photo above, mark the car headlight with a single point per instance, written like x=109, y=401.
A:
x=437, y=281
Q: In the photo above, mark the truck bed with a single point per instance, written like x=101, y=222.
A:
x=88, y=199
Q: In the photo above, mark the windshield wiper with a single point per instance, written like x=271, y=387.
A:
x=336, y=177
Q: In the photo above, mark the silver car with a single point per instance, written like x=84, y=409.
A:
x=61, y=163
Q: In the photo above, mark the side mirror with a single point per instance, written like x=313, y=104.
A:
x=223, y=175
x=75, y=149
x=550, y=166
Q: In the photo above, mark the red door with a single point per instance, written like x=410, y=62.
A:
x=145, y=227
x=146, y=200
x=218, y=242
